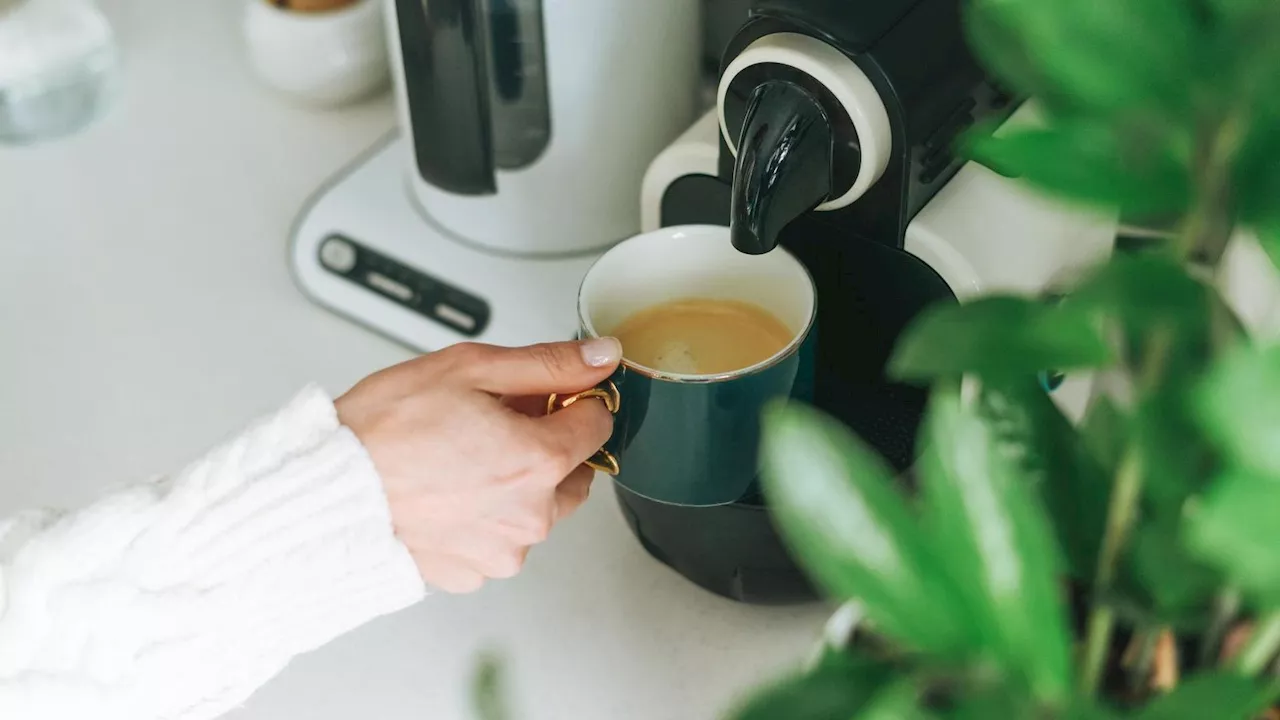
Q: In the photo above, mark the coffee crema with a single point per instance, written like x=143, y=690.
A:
x=701, y=336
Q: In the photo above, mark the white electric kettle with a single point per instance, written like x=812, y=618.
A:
x=531, y=122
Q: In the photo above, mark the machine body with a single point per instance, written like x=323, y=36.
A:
x=833, y=136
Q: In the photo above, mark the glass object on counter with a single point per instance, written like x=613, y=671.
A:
x=58, y=68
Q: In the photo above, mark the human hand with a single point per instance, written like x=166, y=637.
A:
x=474, y=473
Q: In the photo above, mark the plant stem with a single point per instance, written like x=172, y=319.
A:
x=1120, y=517
x=1225, y=608
x=1270, y=694
x=1097, y=642
x=1263, y=645
x=1122, y=511
x=1140, y=673
x=1209, y=225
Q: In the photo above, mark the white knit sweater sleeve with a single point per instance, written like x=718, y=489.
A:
x=176, y=599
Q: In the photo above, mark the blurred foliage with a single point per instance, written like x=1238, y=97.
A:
x=487, y=691
x=1160, y=508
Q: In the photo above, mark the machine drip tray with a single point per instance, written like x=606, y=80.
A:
x=730, y=550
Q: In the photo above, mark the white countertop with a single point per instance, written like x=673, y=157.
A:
x=146, y=312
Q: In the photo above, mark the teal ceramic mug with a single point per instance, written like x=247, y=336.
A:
x=692, y=439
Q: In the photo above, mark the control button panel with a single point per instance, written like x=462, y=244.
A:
x=395, y=289
x=412, y=289
x=338, y=255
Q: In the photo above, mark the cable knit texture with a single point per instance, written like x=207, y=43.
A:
x=176, y=599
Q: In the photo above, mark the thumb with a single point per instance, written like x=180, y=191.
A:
x=546, y=367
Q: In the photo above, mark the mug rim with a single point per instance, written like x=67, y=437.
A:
x=790, y=348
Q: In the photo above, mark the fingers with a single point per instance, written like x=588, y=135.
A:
x=571, y=436
x=464, y=570
x=496, y=560
x=537, y=369
x=573, y=492
x=527, y=405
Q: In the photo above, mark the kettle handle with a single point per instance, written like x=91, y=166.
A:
x=446, y=88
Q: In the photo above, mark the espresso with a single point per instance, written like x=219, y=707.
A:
x=701, y=336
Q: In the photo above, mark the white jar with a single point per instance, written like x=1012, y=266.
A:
x=325, y=58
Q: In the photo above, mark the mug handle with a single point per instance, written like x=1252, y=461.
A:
x=603, y=461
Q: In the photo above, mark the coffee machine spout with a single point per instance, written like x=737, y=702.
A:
x=783, y=166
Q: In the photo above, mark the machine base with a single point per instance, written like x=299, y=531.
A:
x=362, y=248
x=730, y=550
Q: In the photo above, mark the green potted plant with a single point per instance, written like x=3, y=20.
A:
x=1126, y=566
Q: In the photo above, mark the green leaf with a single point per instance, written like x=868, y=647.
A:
x=998, y=46
x=838, y=508
x=1235, y=528
x=997, y=337
x=1172, y=585
x=486, y=690
x=1141, y=294
x=1269, y=236
x=1105, y=432
x=1086, y=162
x=991, y=533
x=1257, y=174
x=1177, y=460
x=1217, y=695
x=900, y=701
x=1250, y=85
x=1238, y=408
x=1105, y=56
x=1030, y=430
x=1086, y=709
x=836, y=690
x=1234, y=11
x=1002, y=701
x=1139, y=291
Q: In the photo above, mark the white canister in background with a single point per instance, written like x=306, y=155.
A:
x=58, y=68
x=323, y=52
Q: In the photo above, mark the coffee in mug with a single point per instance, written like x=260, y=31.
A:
x=709, y=336
x=699, y=335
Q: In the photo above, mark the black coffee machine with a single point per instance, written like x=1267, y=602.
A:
x=836, y=120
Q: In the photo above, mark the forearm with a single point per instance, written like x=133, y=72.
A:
x=178, y=598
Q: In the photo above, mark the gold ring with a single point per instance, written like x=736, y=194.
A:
x=603, y=461
x=607, y=394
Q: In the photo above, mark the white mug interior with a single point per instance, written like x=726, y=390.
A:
x=694, y=261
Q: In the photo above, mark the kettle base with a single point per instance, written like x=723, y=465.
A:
x=362, y=248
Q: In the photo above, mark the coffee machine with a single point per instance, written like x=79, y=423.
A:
x=523, y=130
x=833, y=136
